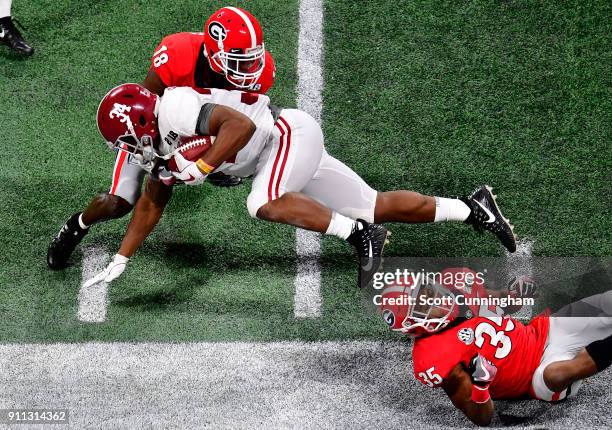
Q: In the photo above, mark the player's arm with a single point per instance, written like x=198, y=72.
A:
x=148, y=211
x=154, y=83
x=232, y=129
x=465, y=396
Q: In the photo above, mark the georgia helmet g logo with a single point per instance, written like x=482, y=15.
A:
x=217, y=31
x=389, y=317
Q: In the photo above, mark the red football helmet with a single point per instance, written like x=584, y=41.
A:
x=266, y=80
x=127, y=119
x=403, y=310
x=233, y=41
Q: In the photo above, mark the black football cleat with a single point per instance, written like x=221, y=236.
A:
x=220, y=179
x=485, y=215
x=10, y=36
x=62, y=246
x=369, y=241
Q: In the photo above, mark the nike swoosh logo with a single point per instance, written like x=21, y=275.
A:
x=488, y=212
x=2, y=34
x=368, y=266
x=487, y=375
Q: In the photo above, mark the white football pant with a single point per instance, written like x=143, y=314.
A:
x=572, y=328
x=295, y=160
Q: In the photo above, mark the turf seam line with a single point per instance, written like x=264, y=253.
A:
x=307, y=296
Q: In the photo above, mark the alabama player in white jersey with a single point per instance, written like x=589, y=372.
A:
x=295, y=180
x=223, y=55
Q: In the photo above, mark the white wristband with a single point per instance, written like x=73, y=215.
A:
x=120, y=259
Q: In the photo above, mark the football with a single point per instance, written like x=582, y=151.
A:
x=192, y=148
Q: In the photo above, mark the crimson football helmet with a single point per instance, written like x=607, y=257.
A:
x=127, y=120
x=403, y=310
x=233, y=43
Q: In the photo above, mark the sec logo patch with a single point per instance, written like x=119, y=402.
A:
x=466, y=335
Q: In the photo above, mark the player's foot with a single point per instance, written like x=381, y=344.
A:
x=220, y=179
x=369, y=241
x=10, y=36
x=486, y=215
x=63, y=244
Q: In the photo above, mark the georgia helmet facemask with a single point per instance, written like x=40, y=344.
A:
x=418, y=310
x=127, y=120
x=233, y=44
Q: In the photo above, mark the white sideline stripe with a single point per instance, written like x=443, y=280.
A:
x=279, y=385
x=223, y=385
x=307, y=297
x=92, y=300
x=521, y=263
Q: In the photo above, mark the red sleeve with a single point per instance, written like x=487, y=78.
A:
x=266, y=80
x=435, y=356
x=173, y=59
x=431, y=365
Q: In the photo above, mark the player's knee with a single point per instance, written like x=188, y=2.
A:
x=556, y=377
x=254, y=203
x=540, y=389
x=114, y=206
x=265, y=213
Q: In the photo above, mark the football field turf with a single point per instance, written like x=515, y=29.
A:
x=438, y=97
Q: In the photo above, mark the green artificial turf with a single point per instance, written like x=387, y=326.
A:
x=437, y=97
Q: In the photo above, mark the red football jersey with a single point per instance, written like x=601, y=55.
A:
x=179, y=61
x=515, y=349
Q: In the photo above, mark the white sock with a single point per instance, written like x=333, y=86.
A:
x=451, y=210
x=340, y=226
x=81, y=223
x=5, y=8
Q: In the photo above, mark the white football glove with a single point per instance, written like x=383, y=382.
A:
x=189, y=173
x=114, y=269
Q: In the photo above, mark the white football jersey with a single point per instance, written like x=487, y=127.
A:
x=178, y=116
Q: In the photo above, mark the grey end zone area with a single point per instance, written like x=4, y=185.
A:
x=280, y=385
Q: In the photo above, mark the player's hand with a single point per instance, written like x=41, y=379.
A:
x=482, y=371
x=522, y=286
x=167, y=178
x=114, y=269
x=188, y=173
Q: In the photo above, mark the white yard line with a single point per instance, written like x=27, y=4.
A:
x=92, y=300
x=307, y=298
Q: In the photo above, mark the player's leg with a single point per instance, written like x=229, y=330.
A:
x=286, y=166
x=297, y=209
x=559, y=375
x=338, y=187
x=563, y=378
x=119, y=201
x=579, y=345
x=480, y=210
x=9, y=34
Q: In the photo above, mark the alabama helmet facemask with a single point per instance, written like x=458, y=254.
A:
x=409, y=315
x=233, y=44
x=127, y=120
